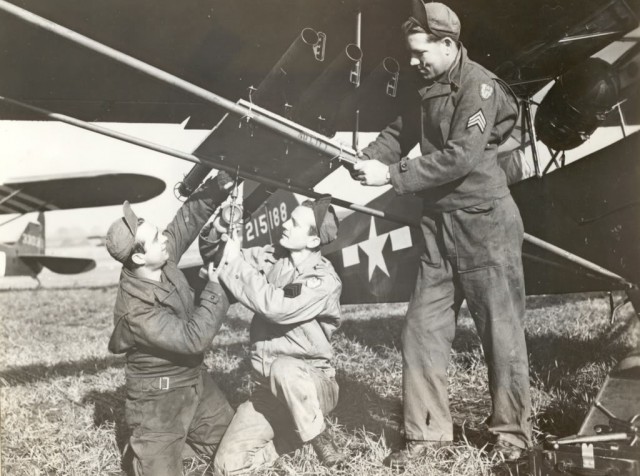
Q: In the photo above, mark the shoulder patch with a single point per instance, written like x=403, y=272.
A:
x=477, y=119
x=486, y=91
x=313, y=283
x=292, y=290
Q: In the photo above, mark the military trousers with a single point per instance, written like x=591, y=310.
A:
x=282, y=414
x=170, y=424
x=474, y=254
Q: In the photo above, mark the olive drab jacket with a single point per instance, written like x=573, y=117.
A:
x=157, y=324
x=459, y=121
x=297, y=309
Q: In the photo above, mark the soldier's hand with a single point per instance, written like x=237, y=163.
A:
x=371, y=172
x=224, y=184
x=350, y=167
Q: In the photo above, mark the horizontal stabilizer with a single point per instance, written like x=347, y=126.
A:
x=60, y=264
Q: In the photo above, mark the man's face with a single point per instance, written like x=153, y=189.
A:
x=295, y=231
x=155, y=245
x=430, y=56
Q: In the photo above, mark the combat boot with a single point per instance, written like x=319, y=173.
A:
x=413, y=450
x=327, y=451
x=505, y=451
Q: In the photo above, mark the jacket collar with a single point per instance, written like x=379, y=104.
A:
x=309, y=264
x=144, y=289
x=448, y=82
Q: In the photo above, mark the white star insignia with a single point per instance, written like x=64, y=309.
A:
x=373, y=248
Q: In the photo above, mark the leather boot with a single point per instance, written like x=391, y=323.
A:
x=505, y=451
x=327, y=451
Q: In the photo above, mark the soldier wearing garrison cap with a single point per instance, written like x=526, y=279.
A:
x=173, y=406
x=472, y=230
x=295, y=295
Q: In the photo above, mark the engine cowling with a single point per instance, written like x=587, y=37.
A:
x=577, y=104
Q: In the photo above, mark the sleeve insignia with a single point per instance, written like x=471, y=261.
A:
x=486, y=90
x=313, y=283
x=477, y=120
x=292, y=290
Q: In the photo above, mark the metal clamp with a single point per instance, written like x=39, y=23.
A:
x=318, y=48
x=392, y=85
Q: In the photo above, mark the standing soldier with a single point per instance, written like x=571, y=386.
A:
x=472, y=230
x=171, y=398
x=295, y=294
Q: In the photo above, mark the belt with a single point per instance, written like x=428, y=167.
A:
x=150, y=384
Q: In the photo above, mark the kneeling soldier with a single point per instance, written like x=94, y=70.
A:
x=171, y=399
x=295, y=295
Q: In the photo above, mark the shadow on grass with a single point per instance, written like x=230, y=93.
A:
x=361, y=407
x=39, y=372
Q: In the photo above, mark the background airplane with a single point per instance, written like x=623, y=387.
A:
x=27, y=257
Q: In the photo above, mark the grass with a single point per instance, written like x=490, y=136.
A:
x=62, y=392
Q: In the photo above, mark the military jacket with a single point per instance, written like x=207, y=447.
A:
x=297, y=309
x=459, y=121
x=157, y=324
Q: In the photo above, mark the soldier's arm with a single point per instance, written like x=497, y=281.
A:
x=396, y=140
x=158, y=327
x=294, y=303
x=470, y=131
x=192, y=216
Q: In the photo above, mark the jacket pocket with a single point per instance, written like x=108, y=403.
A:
x=479, y=234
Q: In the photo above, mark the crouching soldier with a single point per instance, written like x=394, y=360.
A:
x=295, y=295
x=171, y=399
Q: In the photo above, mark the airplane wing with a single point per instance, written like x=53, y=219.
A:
x=228, y=47
x=58, y=264
x=78, y=191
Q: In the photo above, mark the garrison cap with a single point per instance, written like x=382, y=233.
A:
x=436, y=18
x=326, y=219
x=121, y=236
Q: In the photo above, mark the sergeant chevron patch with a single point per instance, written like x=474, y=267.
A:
x=477, y=120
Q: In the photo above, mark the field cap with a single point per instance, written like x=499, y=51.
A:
x=436, y=18
x=121, y=236
x=326, y=219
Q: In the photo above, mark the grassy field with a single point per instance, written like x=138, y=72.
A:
x=62, y=392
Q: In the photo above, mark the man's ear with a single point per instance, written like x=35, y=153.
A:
x=138, y=259
x=313, y=242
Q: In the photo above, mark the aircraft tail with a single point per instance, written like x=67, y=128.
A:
x=32, y=239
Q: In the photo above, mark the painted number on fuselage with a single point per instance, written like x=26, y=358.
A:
x=269, y=220
x=33, y=240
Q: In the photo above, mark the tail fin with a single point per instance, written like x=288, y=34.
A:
x=32, y=238
x=267, y=214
